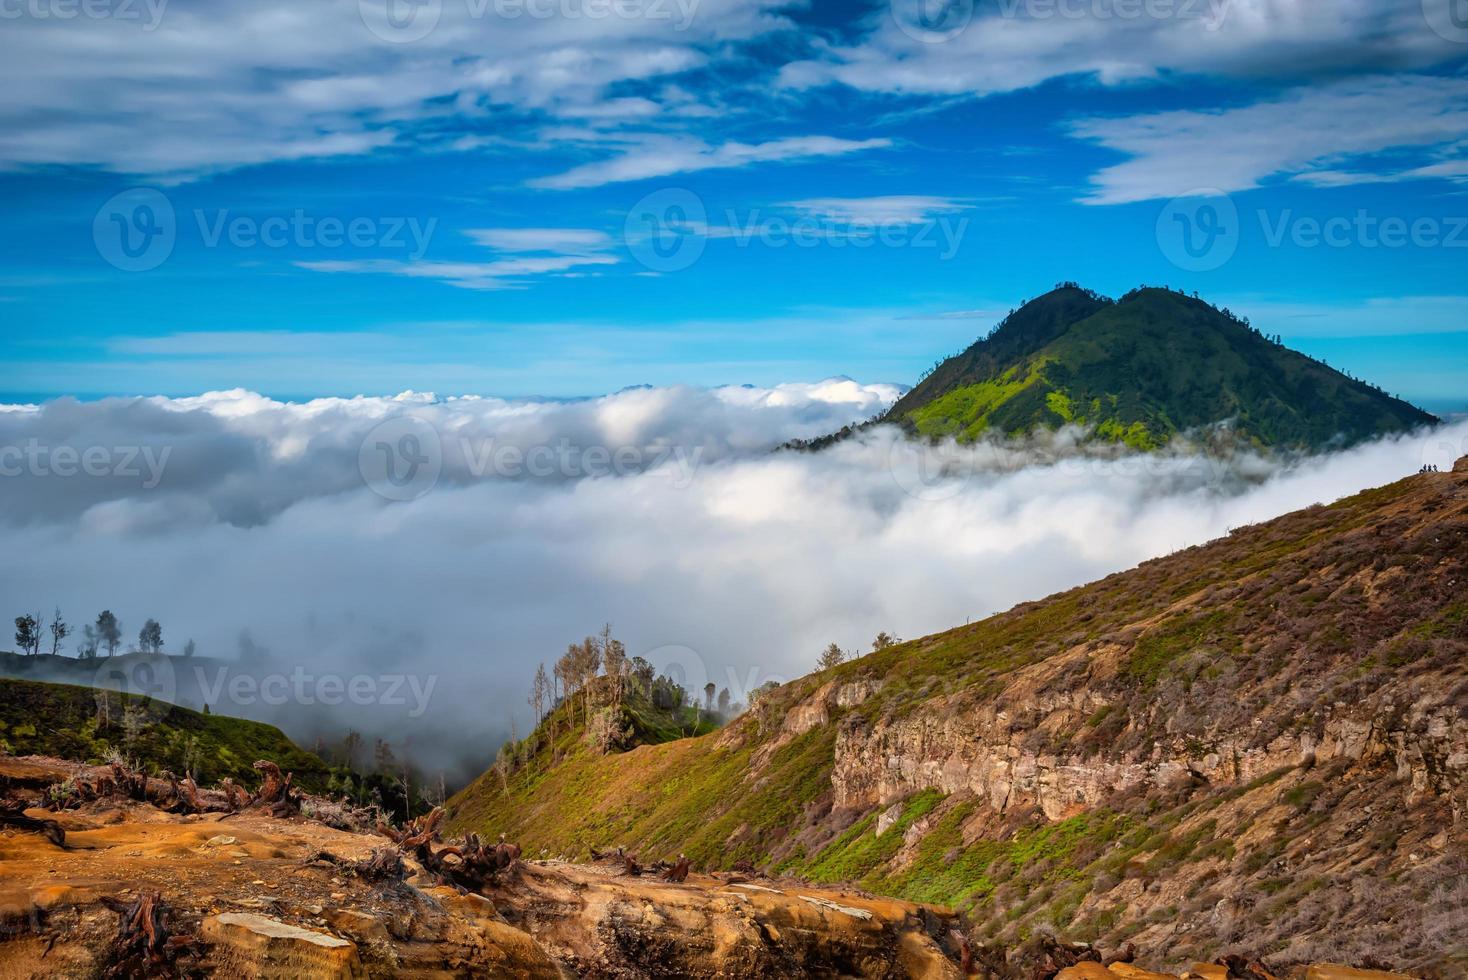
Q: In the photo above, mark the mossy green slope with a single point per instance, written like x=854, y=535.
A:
x=90, y=725
x=1250, y=639
x=1140, y=371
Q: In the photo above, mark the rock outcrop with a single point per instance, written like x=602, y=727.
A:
x=256, y=893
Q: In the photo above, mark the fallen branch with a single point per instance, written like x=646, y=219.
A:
x=385, y=864
x=12, y=814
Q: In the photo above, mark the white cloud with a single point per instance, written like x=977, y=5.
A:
x=754, y=561
x=1016, y=44
x=213, y=84
x=892, y=209
x=529, y=252
x=668, y=155
x=1174, y=153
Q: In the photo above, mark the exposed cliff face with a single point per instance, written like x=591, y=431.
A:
x=1259, y=743
x=980, y=751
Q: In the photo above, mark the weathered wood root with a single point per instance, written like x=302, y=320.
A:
x=144, y=947
x=679, y=871
x=471, y=865
x=385, y=864
x=275, y=793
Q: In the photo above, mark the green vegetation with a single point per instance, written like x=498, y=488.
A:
x=1177, y=672
x=1140, y=371
x=95, y=726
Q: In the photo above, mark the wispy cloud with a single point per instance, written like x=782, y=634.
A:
x=895, y=209
x=667, y=156
x=1308, y=130
x=527, y=253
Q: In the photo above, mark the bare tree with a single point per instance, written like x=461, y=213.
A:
x=538, y=691
x=614, y=656
x=59, y=631
x=350, y=745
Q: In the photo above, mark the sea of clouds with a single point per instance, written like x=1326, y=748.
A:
x=454, y=543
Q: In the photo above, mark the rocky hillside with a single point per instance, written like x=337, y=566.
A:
x=118, y=887
x=1258, y=745
x=1141, y=370
x=94, y=725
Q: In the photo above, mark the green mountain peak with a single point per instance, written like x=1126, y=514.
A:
x=1142, y=370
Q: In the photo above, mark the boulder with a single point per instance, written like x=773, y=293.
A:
x=1334, y=971
x=256, y=946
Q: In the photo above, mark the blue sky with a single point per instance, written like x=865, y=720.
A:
x=565, y=197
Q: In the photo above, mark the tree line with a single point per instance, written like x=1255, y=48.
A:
x=105, y=633
x=834, y=656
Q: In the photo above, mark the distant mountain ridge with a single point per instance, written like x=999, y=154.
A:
x=1143, y=370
